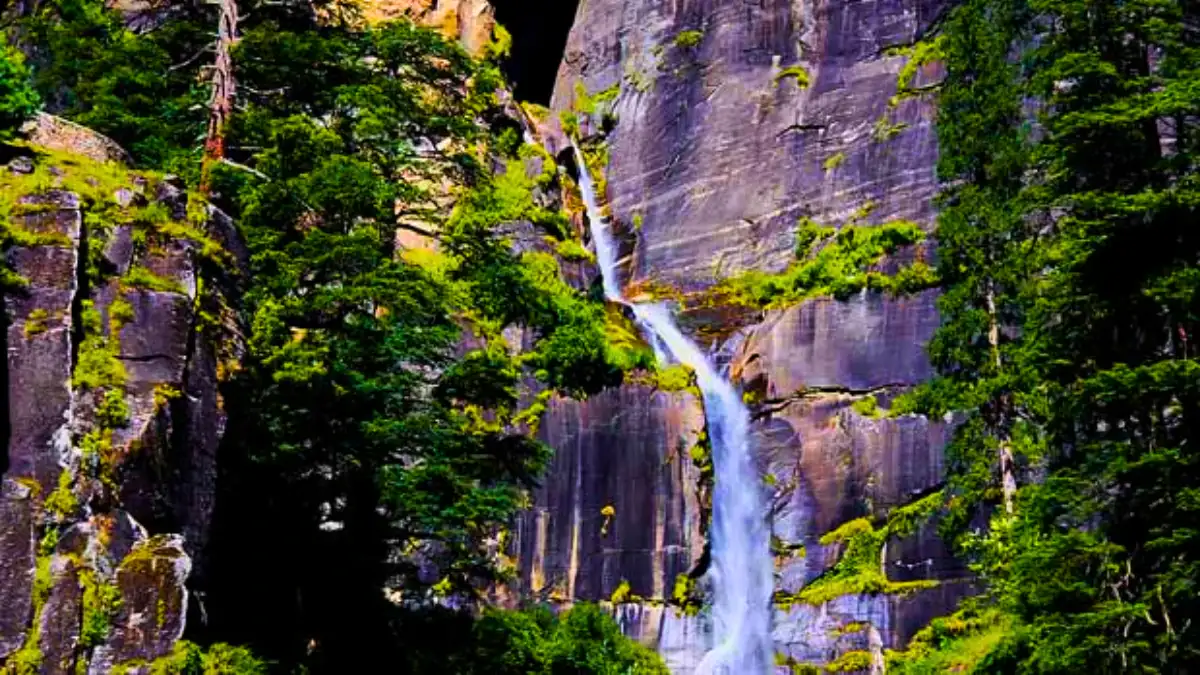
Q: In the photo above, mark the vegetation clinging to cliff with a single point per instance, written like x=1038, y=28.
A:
x=833, y=262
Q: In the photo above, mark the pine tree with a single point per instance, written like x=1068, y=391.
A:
x=1114, y=523
x=984, y=244
x=1071, y=155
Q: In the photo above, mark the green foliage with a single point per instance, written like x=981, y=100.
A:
x=797, y=73
x=62, y=501
x=833, y=262
x=676, y=377
x=583, y=348
x=885, y=129
x=143, y=278
x=921, y=54
x=956, y=643
x=28, y=659
x=621, y=593
x=686, y=596
x=859, y=570
x=501, y=45
x=850, y=662
x=90, y=67
x=833, y=161
x=36, y=322
x=1068, y=327
x=573, y=251
x=100, y=602
x=570, y=123
x=688, y=39
x=219, y=659
x=583, y=640
x=98, y=366
x=867, y=406
x=18, y=100
x=378, y=424
x=586, y=103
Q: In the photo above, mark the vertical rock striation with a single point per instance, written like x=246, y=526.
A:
x=619, y=504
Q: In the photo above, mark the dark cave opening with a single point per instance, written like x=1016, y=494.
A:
x=539, y=29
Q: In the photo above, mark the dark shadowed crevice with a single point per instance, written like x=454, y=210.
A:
x=539, y=29
x=83, y=291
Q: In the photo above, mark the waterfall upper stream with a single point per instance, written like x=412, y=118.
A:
x=742, y=571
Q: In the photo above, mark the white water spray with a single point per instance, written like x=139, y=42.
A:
x=742, y=571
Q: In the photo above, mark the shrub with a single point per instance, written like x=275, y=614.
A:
x=18, y=100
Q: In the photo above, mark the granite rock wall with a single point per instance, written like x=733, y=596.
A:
x=118, y=331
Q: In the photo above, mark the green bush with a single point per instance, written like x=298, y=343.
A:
x=582, y=641
x=688, y=39
x=18, y=100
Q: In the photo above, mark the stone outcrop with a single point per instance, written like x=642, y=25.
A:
x=118, y=332
x=727, y=123
x=720, y=149
x=56, y=133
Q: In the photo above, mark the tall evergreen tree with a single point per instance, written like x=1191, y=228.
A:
x=18, y=100
x=984, y=245
x=1085, y=227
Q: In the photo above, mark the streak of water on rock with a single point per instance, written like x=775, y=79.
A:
x=742, y=571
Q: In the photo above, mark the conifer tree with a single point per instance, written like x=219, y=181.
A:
x=18, y=100
x=984, y=243
x=1085, y=230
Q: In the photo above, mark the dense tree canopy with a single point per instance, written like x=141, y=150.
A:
x=1068, y=240
x=18, y=100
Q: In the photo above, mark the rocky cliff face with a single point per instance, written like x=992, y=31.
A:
x=730, y=122
x=117, y=332
x=470, y=21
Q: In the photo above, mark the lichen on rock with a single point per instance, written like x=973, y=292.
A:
x=108, y=481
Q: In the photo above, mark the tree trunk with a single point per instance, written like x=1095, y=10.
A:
x=1008, y=480
x=220, y=105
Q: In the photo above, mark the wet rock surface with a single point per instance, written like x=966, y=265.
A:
x=619, y=502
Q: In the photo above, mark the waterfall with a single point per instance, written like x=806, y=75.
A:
x=742, y=570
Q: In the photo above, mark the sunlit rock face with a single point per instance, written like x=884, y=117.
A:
x=732, y=122
x=470, y=21
x=719, y=148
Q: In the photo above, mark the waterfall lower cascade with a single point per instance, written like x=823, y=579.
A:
x=742, y=570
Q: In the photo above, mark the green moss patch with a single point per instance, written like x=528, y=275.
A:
x=795, y=73
x=832, y=262
x=952, y=644
x=688, y=39
x=144, y=279
x=850, y=662
x=859, y=571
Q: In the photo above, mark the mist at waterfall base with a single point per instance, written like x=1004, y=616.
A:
x=742, y=571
